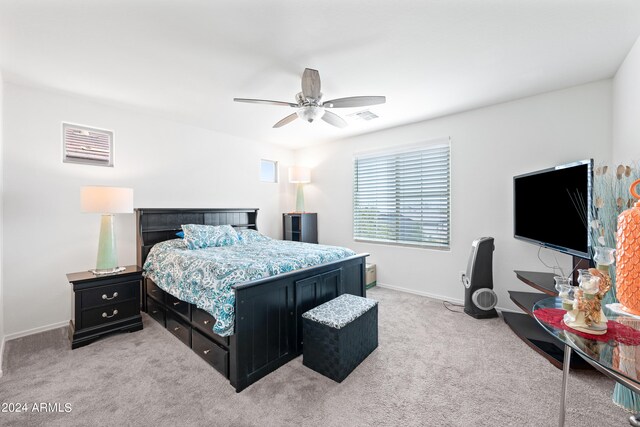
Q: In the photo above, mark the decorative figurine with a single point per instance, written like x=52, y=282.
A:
x=587, y=315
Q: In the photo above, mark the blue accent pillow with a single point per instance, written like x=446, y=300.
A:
x=180, y=234
x=202, y=236
x=249, y=236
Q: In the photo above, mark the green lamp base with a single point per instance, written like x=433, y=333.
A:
x=107, y=262
x=300, y=197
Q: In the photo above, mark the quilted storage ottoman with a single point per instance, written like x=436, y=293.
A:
x=339, y=334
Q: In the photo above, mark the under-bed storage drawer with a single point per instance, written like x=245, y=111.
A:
x=156, y=311
x=215, y=355
x=178, y=306
x=179, y=328
x=154, y=291
x=109, y=294
x=204, y=321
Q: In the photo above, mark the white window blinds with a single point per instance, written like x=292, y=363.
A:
x=403, y=197
x=87, y=145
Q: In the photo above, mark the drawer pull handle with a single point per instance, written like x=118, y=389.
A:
x=206, y=351
x=153, y=290
x=107, y=316
x=176, y=328
x=206, y=322
x=115, y=295
x=176, y=303
x=154, y=311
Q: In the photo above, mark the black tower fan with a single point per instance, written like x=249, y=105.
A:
x=479, y=298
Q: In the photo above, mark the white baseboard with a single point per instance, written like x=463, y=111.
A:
x=421, y=293
x=35, y=330
x=434, y=296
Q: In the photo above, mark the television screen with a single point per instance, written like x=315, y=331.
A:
x=551, y=207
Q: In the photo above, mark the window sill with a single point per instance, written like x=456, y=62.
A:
x=406, y=245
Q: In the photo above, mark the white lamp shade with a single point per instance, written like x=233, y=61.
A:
x=299, y=175
x=106, y=200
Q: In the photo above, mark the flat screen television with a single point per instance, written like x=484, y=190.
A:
x=551, y=207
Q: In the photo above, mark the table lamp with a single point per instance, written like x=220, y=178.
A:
x=107, y=201
x=299, y=175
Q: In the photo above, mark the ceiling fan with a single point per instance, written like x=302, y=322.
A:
x=310, y=106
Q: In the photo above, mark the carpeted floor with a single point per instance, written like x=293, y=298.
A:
x=432, y=368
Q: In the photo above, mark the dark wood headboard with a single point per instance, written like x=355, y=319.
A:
x=157, y=225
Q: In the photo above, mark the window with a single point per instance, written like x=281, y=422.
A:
x=87, y=145
x=268, y=171
x=403, y=197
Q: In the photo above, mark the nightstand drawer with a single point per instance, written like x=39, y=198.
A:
x=155, y=292
x=109, y=294
x=177, y=305
x=205, y=321
x=215, y=355
x=179, y=328
x=109, y=313
x=156, y=311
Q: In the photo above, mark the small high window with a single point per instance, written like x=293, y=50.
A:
x=268, y=171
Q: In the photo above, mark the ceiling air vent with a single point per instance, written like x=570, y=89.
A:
x=87, y=145
x=363, y=115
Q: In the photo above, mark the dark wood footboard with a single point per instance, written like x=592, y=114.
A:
x=268, y=330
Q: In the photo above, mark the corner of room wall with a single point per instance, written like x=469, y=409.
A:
x=2, y=310
x=625, y=107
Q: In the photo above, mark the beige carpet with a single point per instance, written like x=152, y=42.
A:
x=432, y=368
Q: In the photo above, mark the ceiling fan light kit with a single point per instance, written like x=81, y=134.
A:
x=310, y=113
x=310, y=106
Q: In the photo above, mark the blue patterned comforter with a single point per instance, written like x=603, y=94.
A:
x=204, y=276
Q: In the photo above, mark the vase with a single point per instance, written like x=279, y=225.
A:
x=628, y=256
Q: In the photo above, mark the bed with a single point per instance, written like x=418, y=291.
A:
x=267, y=300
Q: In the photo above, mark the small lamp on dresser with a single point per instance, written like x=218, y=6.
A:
x=299, y=175
x=107, y=201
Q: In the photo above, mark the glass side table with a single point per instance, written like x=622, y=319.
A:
x=613, y=354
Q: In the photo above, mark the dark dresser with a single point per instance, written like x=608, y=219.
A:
x=104, y=304
x=300, y=227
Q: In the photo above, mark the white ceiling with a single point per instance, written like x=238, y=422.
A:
x=187, y=59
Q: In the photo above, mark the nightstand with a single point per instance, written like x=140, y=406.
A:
x=104, y=304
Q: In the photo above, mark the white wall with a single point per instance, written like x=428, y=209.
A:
x=489, y=146
x=626, y=109
x=168, y=165
x=2, y=313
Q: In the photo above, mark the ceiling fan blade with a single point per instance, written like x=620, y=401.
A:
x=311, y=84
x=334, y=119
x=288, y=119
x=355, y=101
x=266, y=101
